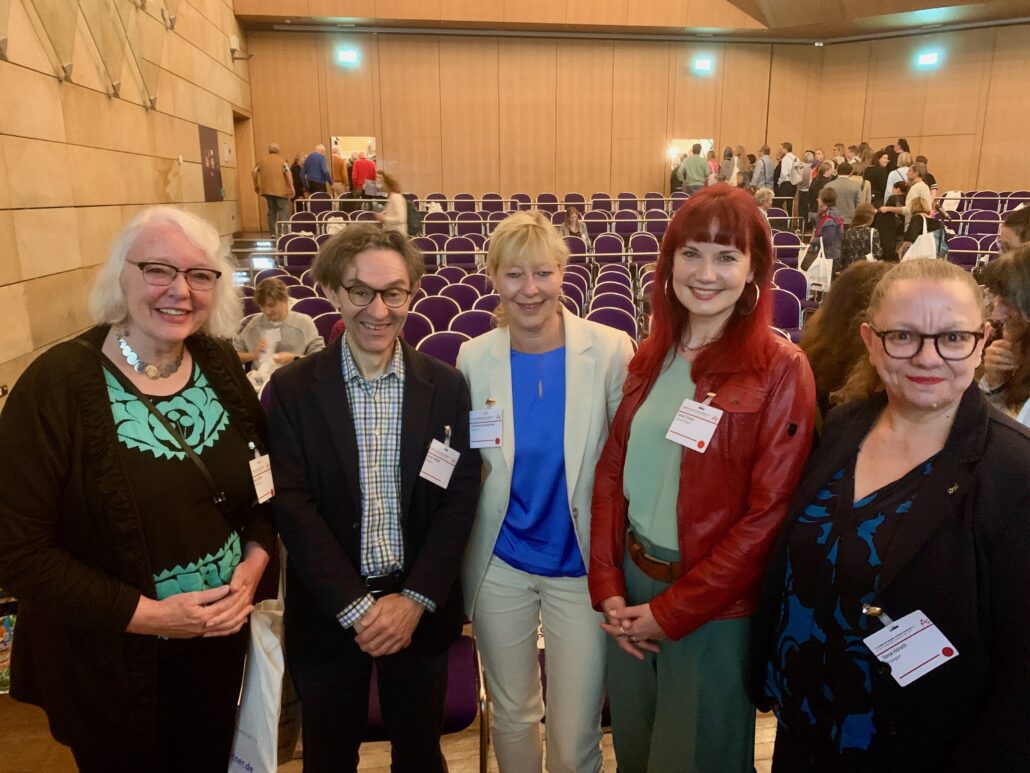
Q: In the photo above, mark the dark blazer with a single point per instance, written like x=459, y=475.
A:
x=72, y=545
x=317, y=503
x=962, y=556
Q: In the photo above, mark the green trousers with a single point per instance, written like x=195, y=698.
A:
x=684, y=709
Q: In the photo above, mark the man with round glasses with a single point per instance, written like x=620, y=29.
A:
x=374, y=522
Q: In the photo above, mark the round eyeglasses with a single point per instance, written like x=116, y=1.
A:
x=951, y=345
x=362, y=295
x=162, y=275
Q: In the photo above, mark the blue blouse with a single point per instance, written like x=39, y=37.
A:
x=537, y=535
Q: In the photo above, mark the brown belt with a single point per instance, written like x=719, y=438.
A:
x=655, y=568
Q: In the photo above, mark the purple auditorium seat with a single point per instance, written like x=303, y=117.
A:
x=579, y=274
x=963, y=251
x=268, y=273
x=300, y=251
x=1016, y=198
x=313, y=307
x=614, y=277
x=577, y=247
x=608, y=248
x=438, y=309
x=601, y=201
x=453, y=274
x=323, y=238
x=520, y=201
x=324, y=324
x=477, y=239
x=575, y=200
x=626, y=222
x=439, y=198
x=303, y=222
x=481, y=282
x=613, y=301
x=462, y=294
x=652, y=200
x=656, y=221
x=615, y=268
x=433, y=283
x=419, y=295
x=796, y=283
x=558, y=218
x=677, y=200
x=982, y=222
x=547, y=202
x=487, y=302
x=468, y=223
x=616, y=318
x=573, y=291
x=297, y=292
x=779, y=220
x=464, y=202
x=443, y=345
x=364, y=216
x=786, y=247
x=643, y=247
x=473, y=322
x=282, y=241
x=626, y=200
x=416, y=327
x=570, y=304
x=596, y=222
x=986, y=200
x=250, y=307
x=428, y=249
x=786, y=310
x=459, y=251
x=494, y=220
x=492, y=202
x=439, y=240
x=245, y=291
x=436, y=223
x=319, y=202
x=612, y=288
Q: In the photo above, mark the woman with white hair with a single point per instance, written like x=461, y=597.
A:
x=130, y=529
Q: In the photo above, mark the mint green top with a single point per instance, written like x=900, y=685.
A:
x=651, y=481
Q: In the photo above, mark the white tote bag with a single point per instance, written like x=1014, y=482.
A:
x=925, y=245
x=819, y=271
x=869, y=255
x=268, y=722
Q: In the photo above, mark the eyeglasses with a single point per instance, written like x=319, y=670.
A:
x=361, y=295
x=162, y=275
x=951, y=345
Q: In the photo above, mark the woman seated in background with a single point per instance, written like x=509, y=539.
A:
x=1006, y=363
x=129, y=526
x=923, y=222
x=914, y=511
x=276, y=333
x=557, y=381
x=395, y=216
x=574, y=225
x=764, y=200
x=680, y=530
x=830, y=337
x=861, y=239
x=1015, y=230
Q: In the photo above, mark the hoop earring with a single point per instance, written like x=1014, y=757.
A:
x=758, y=294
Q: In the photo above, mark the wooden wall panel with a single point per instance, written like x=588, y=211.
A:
x=1003, y=164
x=409, y=87
x=583, y=136
x=352, y=101
x=895, y=102
x=482, y=11
x=599, y=12
x=535, y=11
x=528, y=81
x=745, y=96
x=408, y=9
x=839, y=106
x=469, y=115
x=956, y=94
x=793, y=88
x=640, y=113
x=695, y=99
x=671, y=13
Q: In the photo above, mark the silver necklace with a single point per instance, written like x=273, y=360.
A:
x=153, y=372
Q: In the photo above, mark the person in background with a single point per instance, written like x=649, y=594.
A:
x=898, y=174
x=675, y=182
x=273, y=181
x=744, y=166
x=339, y=169
x=849, y=193
x=861, y=239
x=838, y=154
x=889, y=224
x=300, y=189
x=679, y=536
x=928, y=178
x=853, y=156
x=395, y=216
x=545, y=370
x=865, y=189
x=876, y=175
x=914, y=511
x=787, y=182
x=1006, y=363
x=727, y=166
x=135, y=573
x=374, y=547
x=762, y=175
x=277, y=332
x=713, y=167
x=764, y=200
x=922, y=219
x=830, y=337
x=693, y=171
x=829, y=229
x=317, y=177
x=823, y=175
x=364, y=170
x=1015, y=230
x=573, y=225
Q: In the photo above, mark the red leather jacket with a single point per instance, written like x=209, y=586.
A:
x=732, y=498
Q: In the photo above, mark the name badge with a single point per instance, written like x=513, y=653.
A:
x=261, y=473
x=485, y=428
x=694, y=425
x=439, y=464
x=912, y=646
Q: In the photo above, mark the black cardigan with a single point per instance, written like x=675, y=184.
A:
x=72, y=546
x=962, y=556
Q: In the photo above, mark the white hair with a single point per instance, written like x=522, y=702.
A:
x=107, y=299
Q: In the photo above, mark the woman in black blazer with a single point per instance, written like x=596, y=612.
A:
x=917, y=500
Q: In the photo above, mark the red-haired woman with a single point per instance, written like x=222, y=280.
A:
x=693, y=483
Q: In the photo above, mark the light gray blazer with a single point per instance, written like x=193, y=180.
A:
x=596, y=358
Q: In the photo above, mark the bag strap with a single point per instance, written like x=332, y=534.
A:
x=217, y=495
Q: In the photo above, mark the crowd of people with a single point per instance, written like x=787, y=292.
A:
x=663, y=512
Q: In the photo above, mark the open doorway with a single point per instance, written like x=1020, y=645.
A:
x=250, y=207
x=677, y=149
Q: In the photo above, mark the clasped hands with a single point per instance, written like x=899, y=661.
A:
x=634, y=629
x=387, y=627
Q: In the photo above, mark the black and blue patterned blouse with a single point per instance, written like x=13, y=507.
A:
x=820, y=677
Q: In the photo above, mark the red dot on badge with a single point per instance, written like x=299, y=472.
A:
x=700, y=444
x=947, y=652
x=497, y=441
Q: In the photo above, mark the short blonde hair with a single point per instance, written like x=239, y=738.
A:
x=107, y=299
x=763, y=195
x=527, y=234
x=864, y=381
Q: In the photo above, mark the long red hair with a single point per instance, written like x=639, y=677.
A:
x=727, y=215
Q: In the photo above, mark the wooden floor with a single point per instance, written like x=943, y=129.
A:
x=28, y=748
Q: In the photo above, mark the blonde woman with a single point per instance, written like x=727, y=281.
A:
x=395, y=216
x=554, y=381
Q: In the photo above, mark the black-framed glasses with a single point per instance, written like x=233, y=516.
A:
x=362, y=295
x=162, y=274
x=950, y=345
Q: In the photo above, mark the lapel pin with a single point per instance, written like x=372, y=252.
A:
x=952, y=488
